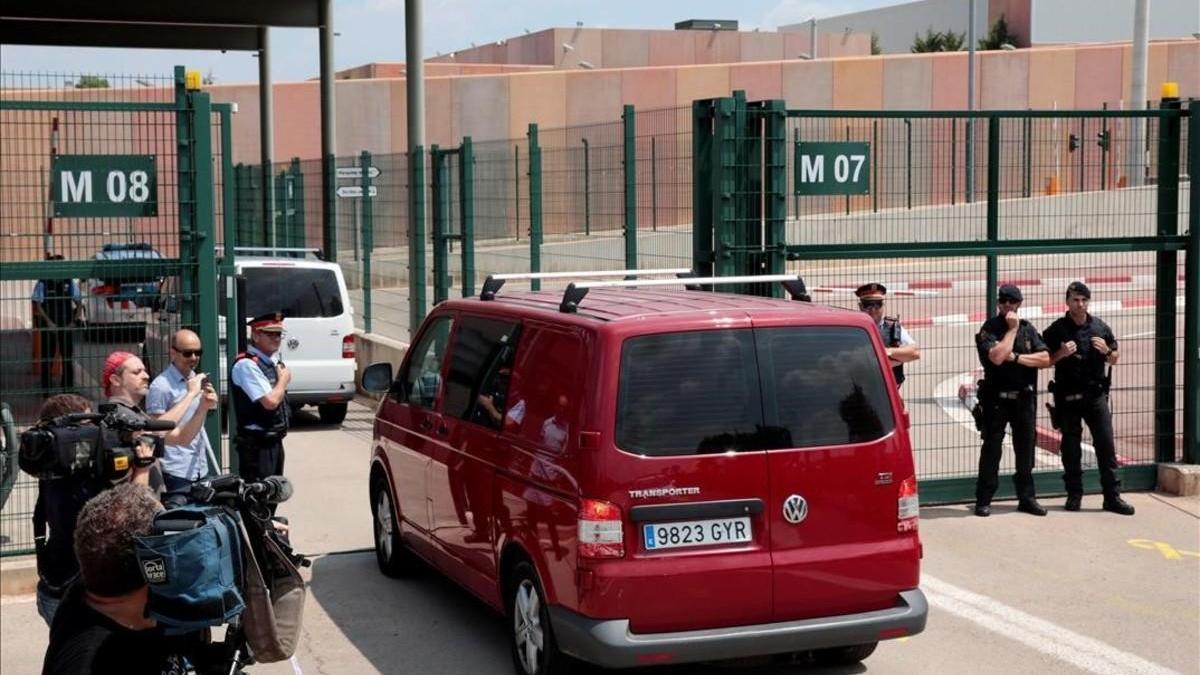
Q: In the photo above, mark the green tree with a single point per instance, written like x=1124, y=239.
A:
x=92, y=82
x=875, y=50
x=937, y=41
x=998, y=36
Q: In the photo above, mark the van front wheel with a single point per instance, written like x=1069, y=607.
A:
x=534, y=651
x=844, y=656
x=332, y=413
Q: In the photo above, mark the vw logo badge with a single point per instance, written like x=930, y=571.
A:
x=293, y=343
x=795, y=509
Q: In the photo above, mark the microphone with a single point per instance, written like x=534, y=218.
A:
x=273, y=489
x=157, y=425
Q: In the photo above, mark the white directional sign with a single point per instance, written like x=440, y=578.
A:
x=355, y=191
x=356, y=172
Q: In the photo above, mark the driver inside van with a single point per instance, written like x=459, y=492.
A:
x=428, y=381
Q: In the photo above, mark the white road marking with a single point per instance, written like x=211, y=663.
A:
x=1039, y=634
x=946, y=396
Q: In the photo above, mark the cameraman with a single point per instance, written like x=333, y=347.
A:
x=126, y=383
x=102, y=625
x=58, y=503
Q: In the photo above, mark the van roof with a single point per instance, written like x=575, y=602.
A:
x=271, y=261
x=627, y=304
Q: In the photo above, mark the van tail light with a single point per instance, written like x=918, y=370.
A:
x=348, y=347
x=908, y=506
x=601, y=532
x=104, y=289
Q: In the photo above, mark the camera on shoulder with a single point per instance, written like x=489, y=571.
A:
x=100, y=444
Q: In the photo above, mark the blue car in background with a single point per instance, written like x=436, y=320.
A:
x=120, y=305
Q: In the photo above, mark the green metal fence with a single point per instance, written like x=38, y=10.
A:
x=108, y=194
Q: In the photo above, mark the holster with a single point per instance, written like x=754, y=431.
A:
x=977, y=409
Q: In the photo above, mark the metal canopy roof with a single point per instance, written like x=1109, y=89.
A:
x=160, y=24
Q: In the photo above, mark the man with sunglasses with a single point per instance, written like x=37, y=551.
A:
x=901, y=347
x=1011, y=352
x=178, y=389
x=260, y=399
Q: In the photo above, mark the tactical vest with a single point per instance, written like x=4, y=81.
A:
x=891, y=338
x=57, y=302
x=270, y=422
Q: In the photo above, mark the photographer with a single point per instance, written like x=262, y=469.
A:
x=58, y=504
x=126, y=383
x=102, y=625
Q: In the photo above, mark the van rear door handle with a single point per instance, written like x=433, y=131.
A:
x=426, y=423
x=443, y=429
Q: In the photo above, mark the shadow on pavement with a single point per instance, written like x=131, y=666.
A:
x=425, y=623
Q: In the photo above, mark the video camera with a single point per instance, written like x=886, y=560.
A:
x=101, y=444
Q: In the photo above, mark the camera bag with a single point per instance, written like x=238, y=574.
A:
x=274, y=601
x=193, y=566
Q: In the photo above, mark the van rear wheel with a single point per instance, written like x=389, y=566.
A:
x=534, y=650
x=844, y=656
x=332, y=413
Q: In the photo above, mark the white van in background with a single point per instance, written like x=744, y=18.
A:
x=318, y=328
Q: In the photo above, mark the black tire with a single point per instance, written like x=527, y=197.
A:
x=529, y=624
x=844, y=656
x=395, y=560
x=332, y=413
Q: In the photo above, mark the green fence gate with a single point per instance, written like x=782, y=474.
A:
x=107, y=186
x=1040, y=199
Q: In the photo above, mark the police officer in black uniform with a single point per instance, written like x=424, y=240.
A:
x=1081, y=347
x=901, y=347
x=1011, y=352
x=260, y=400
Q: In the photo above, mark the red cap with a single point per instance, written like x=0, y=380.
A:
x=114, y=361
x=271, y=322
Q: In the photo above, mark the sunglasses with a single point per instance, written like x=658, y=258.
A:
x=189, y=353
x=870, y=304
x=1008, y=301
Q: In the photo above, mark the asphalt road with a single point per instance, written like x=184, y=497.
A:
x=1069, y=593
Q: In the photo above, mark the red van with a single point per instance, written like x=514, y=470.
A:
x=646, y=475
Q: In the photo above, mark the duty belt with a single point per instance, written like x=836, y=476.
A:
x=1010, y=395
x=1072, y=397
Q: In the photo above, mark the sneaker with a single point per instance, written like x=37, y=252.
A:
x=983, y=510
x=1074, y=502
x=1031, y=507
x=1118, y=505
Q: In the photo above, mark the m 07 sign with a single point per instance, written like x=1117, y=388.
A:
x=104, y=186
x=833, y=168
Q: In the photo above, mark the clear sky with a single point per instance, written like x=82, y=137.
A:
x=373, y=30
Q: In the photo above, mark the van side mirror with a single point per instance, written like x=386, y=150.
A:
x=377, y=378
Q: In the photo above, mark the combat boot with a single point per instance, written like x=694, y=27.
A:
x=1117, y=505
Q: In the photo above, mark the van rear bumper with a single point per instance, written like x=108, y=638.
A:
x=609, y=642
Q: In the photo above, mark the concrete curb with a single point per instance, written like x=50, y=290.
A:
x=18, y=576
x=1179, y=479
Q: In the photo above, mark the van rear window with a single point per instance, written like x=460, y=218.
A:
x=823, y=385
x=301, y=292
x=701, y=392
x=688, y=393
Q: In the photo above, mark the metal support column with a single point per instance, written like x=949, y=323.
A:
x=466, y=211
x=993, y=209
x=703, y=117
x=328, y=139
x=416, y=240
x=228, y=204
x=630, y=166
x=368, y=235
x=535, y=206
x=439, y=192
x=722, y=187
x=266, y=131
x=775, y=188
x=587, y=189
x=1191, y=322
x=1166, y=271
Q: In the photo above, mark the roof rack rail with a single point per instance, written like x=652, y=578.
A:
x=275, y=250
x=793, y=283
x=494, y=282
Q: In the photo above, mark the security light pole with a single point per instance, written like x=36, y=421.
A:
x=1137, y=92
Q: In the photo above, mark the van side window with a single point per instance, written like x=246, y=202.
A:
x=480, y=369
x=689, y=393
x=824, y=385
x=547, y=390
x=422, y=381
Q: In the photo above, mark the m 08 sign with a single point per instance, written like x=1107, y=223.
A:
x=104, y=186
x=833, y=168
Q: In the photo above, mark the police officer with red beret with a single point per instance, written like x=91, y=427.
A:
x=901, y=347
x=1081, y=347
x=1011, y=352
x=260, y=399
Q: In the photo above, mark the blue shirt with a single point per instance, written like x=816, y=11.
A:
x=250, y=377
x=182, y=461
x=39, y=292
